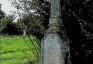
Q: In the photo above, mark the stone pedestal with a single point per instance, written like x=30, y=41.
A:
x=53, y=49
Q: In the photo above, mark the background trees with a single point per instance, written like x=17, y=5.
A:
x=78, y=24
x=2, y=14
x=34, y=15
x=77, y=21
x=7, y=27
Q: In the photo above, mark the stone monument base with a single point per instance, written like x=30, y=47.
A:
x=53, y=49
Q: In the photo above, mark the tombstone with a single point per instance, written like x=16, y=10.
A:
x=54, y=49
x=24, y=33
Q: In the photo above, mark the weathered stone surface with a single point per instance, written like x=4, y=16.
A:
x=54, y=20
x=55, y=8
x=52, y=30
x=53, y=49
x=24, y=33
x=55, y=12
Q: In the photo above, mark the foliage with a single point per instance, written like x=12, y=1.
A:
x=7, y=27
x=37, y=20
x=19, y=27
x=2, y=14
x=4, y=22
x=77, y=22
x=43, y=9
x=32, y=24
x=15, y=51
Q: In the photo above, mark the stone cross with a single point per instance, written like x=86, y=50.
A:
x=54, y=48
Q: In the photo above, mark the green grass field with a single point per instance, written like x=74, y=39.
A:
x=14, y=50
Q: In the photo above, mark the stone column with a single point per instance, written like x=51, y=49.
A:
x=54, y=49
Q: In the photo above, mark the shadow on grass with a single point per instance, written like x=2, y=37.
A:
x=33, y=62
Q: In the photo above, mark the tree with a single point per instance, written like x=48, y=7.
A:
x=77, y=21
x=36, y=6
x=2, y=15
x=76, y=16
x=33, y=25
x=7, y=27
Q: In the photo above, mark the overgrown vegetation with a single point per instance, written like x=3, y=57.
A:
x=14, y=50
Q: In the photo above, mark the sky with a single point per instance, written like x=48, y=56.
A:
x=6, y=6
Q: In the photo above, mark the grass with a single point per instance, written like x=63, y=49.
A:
x=15, y=51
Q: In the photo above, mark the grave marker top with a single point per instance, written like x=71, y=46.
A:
x=55, y=8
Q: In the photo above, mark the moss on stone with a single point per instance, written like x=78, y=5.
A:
x=52, y=30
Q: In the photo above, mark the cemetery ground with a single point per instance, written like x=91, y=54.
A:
x=14, y=50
